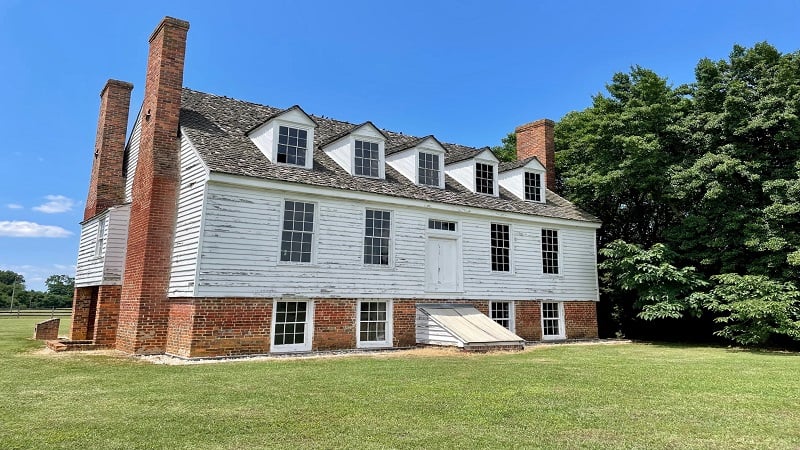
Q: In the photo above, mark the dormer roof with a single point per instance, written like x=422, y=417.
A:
x=285, y=112
x=529, y=163
x=430, y=140
x=353, y=130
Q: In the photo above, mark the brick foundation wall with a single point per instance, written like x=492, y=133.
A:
x=84, y=302
x=107, y=314
x=202, y=327
x=209, y=327
x=528, y=320
x=580, y=320
x=334, y=324
x=47, y=330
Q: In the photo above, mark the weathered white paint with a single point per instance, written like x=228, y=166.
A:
x=133, y=157
x=194, y=175
x=443, y=209
x=442, y=267
x=108, y=268
x=341, y=151
x=431, y=333
x=241, y=237
x=514, y=180
x=265, y=136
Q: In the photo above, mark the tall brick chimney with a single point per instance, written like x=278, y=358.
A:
x=537, y=139
x=144, y=308
x=107, y=185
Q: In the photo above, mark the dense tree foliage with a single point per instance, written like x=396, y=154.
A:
x=59, y=292
x=698, y=187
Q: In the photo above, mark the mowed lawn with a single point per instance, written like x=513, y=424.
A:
x=561, y=396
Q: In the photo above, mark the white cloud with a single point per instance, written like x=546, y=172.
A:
x=20, y=228
x=14, y=206
x=55, y=204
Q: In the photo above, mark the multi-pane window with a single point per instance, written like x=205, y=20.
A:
x=377, y=232
x=549, y=251
x=501, y=248
x=372, y=322
x=292, y=145
x=500, y=312
x=290, y=323
x=367, y=159
x=443, y=225
x=533, y=186
x=100, y=239
x=298, y=231
x=429, y=169
x=552, y=325
x=484, y=178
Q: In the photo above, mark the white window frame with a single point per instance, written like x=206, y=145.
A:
x=314, y=232
x=495, y=177
x=391, y=238
x=431, y=151
x=558, y=255
x=510, y=249
x=381, y=156
x=308, y=330
x=100, y=238
x=542, y=188
x=388, y=342
x=511, y=314
x=562, y=334
x=309, y=142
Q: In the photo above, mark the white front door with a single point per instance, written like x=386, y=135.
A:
x=441, y=264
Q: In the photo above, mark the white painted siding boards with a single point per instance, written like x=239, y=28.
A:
x=194, y=176
x=514, y=182
x=133, y=157
x=239, y=252
x=108, y=267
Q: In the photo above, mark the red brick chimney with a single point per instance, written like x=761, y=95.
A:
x=537, y=139
x=107, y=185
x=144, y=309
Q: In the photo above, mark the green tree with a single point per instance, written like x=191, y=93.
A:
x=60, y=285
x=508, y=150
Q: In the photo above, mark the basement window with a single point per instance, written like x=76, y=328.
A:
x=374, y=324
x=553, y=320
x=503, y=314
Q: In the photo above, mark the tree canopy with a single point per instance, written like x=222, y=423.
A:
x=698, y=188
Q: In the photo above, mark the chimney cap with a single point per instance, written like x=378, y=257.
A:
x=172, y=22
x=535, y=124
x=117, y=83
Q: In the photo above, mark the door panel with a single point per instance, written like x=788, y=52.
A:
x=441, y=264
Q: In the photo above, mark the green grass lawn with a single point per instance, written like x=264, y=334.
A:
x=568, y=396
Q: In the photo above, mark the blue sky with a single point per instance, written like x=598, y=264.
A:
x=466, y=71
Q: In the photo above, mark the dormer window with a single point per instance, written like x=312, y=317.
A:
x=429, y=169
x=292, y=145
x=286, y=138
x=367, y=159
x=533, y=187
x=484, y=178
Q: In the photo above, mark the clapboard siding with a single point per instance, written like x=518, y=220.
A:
x=133, y=157
x=239, y=252
x=106, y=269
x=188, y=223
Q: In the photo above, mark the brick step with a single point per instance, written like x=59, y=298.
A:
x=66, y=345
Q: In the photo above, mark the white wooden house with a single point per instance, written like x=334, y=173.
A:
x=294, y=232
